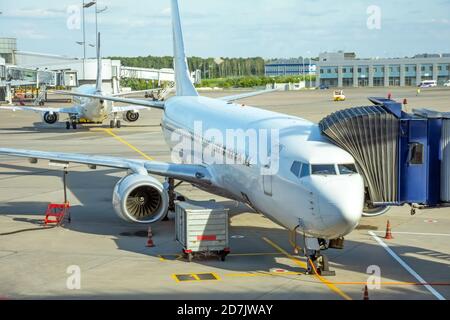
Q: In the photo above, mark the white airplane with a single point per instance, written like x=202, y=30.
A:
x=316, y=192
x=88, y=110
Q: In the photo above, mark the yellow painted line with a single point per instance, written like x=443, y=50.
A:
x=174, y=276
x=302, y=264
x=254, y=254
x=262, y=274
x=216, y=276
x=178, y=256
x=115, y=136
x=195, y=276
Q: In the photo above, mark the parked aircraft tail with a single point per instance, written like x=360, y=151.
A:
x=184, y=86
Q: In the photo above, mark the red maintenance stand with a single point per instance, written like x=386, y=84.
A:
x=56, y=213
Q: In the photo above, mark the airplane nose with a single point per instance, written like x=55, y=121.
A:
x=341, y=217
x=341, y=202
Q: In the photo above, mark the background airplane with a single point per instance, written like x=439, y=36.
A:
x=316, y=191
x=88, y=110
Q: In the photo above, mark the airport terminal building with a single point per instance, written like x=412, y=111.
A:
x=290, y=67
x=342, y=69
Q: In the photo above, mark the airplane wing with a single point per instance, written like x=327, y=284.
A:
x=247, y=95
x=119, y=109
x=138, y=102
x=120, y=94
x=195, y=174
x=70, y=110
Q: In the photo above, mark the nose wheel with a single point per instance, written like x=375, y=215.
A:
x=318, y=263
x=115, y=124
x=72, y=124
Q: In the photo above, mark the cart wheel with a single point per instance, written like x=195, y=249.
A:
x=222, y=255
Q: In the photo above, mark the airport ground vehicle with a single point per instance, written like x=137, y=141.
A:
x=447, y=84
x=339, y=95
x=202, y=229
x=428, y=84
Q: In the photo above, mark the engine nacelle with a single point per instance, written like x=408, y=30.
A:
x=141, y=199
x=131, y=116
x=371, y=212
x=50, y=117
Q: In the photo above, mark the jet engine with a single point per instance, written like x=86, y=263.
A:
x=50, y=117
x=141, y=199
x=131, y=116
x=375, y=211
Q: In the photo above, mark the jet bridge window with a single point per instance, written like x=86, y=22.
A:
x=345, y=169
x=415, y=155
x=323, y=169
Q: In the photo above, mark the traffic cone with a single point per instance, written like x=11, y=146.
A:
x=366, y=293
x=388, y=235
x=150, y=243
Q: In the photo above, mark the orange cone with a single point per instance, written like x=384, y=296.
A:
x=150, y=243
x=388, y=235
x=366, y=293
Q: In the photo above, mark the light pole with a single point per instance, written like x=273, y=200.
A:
x=96, y=13
x=303, y=70
x=85, y=5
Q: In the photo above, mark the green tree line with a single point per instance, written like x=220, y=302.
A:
x=211, y=68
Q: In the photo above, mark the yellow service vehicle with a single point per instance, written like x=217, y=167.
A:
x=339, y=95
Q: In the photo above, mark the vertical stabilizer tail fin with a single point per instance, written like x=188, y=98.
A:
x=99, y=66
x=184, y=86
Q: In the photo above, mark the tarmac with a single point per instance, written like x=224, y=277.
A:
x=111, y=256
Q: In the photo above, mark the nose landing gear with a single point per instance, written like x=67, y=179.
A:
x=317, y=262
x=72, y=122
x=115, y=122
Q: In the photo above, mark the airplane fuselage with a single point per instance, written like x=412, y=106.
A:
x=92, y=110
x=324, y=206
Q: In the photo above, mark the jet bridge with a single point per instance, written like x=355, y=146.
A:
x=404, y=158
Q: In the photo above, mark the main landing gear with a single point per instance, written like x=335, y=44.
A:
x=170, y=187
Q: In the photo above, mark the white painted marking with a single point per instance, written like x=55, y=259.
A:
x=419, y=233
x=406, y=266
x=237, y=237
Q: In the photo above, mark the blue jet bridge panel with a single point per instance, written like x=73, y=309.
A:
x=404, y=158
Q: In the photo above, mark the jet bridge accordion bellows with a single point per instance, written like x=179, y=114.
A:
x=370, y=134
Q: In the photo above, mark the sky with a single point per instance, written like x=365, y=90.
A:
x=233, y=28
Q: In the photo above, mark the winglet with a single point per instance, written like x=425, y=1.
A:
x=99, y=66
x=184, y=86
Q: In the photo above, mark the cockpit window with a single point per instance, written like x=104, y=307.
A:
x=295, y=169
x=300, y=169
x=323, y=169
x=305, y=170
x=347, y=168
